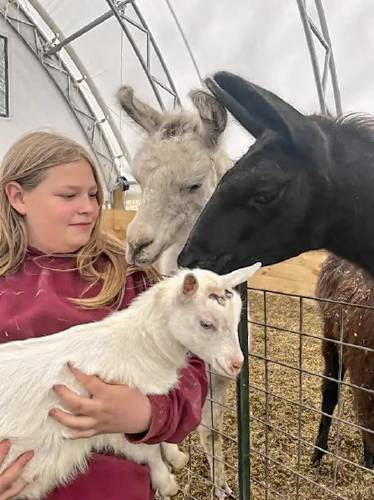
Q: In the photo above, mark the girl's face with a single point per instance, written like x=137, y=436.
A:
x=61, y=212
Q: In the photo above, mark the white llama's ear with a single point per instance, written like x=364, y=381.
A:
x=143, y=114
x=190, y=285
x=213, y=116
x=239, y=276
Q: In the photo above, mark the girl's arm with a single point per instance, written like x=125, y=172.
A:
x=176, y=415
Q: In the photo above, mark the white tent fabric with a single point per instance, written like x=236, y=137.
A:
x=262, y=40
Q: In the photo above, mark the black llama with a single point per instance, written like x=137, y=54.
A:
x=306, y=183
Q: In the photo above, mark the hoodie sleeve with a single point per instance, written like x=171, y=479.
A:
x=176, y=415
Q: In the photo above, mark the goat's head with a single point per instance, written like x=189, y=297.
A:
x=177, y=168
x=270, y=205
x=205, y=316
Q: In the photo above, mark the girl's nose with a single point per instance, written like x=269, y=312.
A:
x=87, y=206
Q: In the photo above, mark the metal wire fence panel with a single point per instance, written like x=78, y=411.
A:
x=286, y=374
x=196, y=480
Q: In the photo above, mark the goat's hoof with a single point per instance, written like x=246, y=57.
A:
x=223, y=491
x=179, y=461
x=187, y=490
x=170, y=489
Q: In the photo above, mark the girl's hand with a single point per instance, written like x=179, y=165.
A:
x=10, y=479
x=112, y=408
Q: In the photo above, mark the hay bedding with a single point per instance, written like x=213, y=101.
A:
x=285, y=420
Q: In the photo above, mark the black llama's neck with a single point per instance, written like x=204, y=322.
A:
x=351, y=234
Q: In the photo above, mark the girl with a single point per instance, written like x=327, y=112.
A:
x=57, y=270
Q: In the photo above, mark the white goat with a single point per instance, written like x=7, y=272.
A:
x=143, y=346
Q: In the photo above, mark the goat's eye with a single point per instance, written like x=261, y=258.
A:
x=193, y=188
x=206, y=325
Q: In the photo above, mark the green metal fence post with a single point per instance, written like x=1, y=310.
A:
x=243, y=403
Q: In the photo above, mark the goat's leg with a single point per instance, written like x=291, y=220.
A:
x=330, y=394
x=161, y=478
x=210, y=433
x=174, y=456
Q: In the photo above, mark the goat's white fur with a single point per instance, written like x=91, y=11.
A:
x=143, y=346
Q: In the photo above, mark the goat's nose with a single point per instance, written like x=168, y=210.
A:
x=236, y=366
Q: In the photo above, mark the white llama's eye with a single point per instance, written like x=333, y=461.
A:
x=193, y=188
x=207, y=325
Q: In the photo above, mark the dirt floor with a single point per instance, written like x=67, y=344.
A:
x=287, y=439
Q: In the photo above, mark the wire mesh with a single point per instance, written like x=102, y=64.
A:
x=286, y=372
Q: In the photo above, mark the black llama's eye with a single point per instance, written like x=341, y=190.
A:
x=266, y=198
x=193, y=188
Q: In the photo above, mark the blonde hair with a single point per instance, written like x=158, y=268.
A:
x=27, y=163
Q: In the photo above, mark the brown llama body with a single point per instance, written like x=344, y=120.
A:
x=340, y=280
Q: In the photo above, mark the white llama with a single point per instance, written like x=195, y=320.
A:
x=178, y=167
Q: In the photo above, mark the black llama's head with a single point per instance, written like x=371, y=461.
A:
x=268, y=207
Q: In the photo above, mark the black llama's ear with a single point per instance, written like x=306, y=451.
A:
x=143, y=114
x=258, y=110
x=255, y=108
x=212, y=114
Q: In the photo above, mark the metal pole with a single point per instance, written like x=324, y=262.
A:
x=243, y=403
x=332, y=66
x=158, y=52
x=79, y=33
x=137, y=52
x=312, y=51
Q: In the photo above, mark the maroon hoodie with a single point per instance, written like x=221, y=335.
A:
x=34, y=303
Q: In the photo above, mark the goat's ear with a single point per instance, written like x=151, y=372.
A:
x=258, y=110
x=190, y=285
x=213, y=116
x=143, y=114
x=239, y=276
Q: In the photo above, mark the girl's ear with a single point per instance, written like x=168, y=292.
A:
x=15, y=194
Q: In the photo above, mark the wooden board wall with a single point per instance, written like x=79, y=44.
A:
x=117, y=220
x=298, y=275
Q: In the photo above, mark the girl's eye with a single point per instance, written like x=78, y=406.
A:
x=67, y=196
x=93, y=195
x=206, y=325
